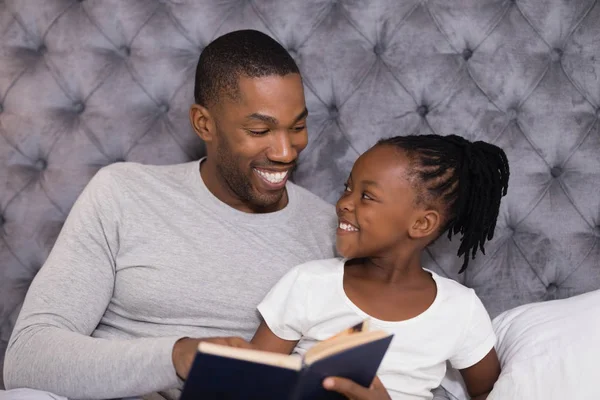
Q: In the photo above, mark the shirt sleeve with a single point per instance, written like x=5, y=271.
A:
x=478, y=337
x=283, y=308
x=51, y=347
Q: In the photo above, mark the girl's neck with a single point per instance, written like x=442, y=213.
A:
x=391, y=269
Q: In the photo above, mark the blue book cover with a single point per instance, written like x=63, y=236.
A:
x=221, y=372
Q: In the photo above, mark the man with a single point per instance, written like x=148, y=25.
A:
x=152, y=257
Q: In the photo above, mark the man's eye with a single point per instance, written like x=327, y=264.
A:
x=258, y=133
x=299, y=128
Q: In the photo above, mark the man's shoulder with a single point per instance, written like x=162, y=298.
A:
x=136, y=171
x=309, y=201
x=136, y=176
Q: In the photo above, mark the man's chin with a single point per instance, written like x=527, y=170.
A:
x=269, y=200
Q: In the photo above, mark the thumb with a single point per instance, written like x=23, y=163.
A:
x=239, y=342
x=376, y=384
x=346, y=387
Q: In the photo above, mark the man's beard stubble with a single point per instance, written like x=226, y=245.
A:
x=238, y=182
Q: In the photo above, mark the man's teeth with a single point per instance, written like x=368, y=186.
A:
x=273, y=177
x=347, y=227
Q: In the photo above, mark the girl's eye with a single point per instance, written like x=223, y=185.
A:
x=346, y=188
x=366, y=196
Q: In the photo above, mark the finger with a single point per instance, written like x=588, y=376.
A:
x=347, y=388
x=239, y=342
x=376, y=383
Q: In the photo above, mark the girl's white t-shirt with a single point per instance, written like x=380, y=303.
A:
x=309, y=304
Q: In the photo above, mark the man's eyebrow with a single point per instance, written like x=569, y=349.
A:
x=302, y=115
x=274, y=121
x=264, y=118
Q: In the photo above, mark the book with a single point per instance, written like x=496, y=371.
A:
x=222, y=372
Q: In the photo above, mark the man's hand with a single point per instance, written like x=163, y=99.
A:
x=185, y=351
x=354, y=391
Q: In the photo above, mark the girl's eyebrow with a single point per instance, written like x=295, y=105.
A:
x=370, y=183
x=367, y=182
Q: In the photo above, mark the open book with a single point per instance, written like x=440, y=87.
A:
x=221, y=372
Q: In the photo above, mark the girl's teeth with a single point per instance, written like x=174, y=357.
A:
x=347, y=227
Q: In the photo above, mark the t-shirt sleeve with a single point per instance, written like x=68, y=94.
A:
x=283, y=308
x=478, y=337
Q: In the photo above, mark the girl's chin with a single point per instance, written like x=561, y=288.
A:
x=345, y=253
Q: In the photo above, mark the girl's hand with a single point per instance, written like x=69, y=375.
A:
x=354, y=391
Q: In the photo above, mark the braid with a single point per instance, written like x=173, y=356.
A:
x=468, y=178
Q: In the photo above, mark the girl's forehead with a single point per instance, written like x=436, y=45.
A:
x=384, y=164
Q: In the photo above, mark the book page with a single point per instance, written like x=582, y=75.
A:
x=341, y=343
x=261, y=357
x=362, y=326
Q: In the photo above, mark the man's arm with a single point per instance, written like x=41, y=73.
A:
x=51, y=348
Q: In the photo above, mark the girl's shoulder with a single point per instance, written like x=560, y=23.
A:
x=319, y=268
x=453, y=290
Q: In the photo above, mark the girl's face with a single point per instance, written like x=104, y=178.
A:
x=378, y=207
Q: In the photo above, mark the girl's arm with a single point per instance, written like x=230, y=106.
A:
x=480, y=378
x=264, y=339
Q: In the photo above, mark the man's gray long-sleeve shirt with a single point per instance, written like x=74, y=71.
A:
x=148, y=255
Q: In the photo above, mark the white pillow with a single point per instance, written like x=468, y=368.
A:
x=548, y=350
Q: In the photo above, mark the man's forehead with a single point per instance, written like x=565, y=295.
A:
x=270, y=97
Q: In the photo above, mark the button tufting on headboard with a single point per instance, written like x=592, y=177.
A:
x=467, y=54
x=512, y=113
x=41, y=164
x=556, y=172
x=163, y=108
x=423, y=110
x=333, y=111
x=78, y=107
x=294, y=53
x=125, y=51
x=556, y=54
x=379, y=49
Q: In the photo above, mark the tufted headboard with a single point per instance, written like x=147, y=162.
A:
x=87, y=83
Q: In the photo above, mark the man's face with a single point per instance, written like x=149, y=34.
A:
x=258, y=138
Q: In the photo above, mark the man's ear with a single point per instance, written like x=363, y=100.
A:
x=426, y=223
x=202, y=122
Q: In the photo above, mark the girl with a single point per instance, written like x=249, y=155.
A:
x=402, y=194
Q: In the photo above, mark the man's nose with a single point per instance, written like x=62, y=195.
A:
x=282, y=150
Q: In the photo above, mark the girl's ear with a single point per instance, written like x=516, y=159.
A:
x=426, y=223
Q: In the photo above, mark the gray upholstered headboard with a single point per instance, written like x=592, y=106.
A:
x=87, y=83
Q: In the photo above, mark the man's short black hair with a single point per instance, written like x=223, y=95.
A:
x=248, y=53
